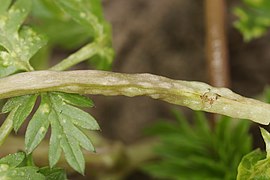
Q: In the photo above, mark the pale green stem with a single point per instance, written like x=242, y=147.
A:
x=6, y=127
x=195, y=95
x=81, y=55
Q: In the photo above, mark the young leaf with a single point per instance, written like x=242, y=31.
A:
x=63, y=120
x=22, y=105
x=68, y=143
x=38, y=125
x=19, y=43
x=65, y=135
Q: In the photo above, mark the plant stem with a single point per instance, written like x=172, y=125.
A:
x=216, y=47
x=216, y=39
x=195, y=95
x=81, y=55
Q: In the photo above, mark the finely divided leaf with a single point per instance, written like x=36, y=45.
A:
x=24, y=109
x=75, y=132
x=69, y=145
x=13, y=103
x=19, y=43
x=65, y=121
x=187, y=148
x=82, y=12
x=77, y=116
x=59, y=28
x=38, y=126
x=73, y=153
x=22, y=105
x=88, y=13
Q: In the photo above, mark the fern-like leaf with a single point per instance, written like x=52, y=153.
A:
x=65, y=120
x=88, y=13
x=19, y=43
x=196, y=152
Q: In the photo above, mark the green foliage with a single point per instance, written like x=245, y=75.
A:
x=65, y=121
x=58, y=110
x=19, y=43
x=197, y=152
x=17, y=167
x=254, y=18
x=53, y=173
x=71, y=24
x=21, y=107
x=61, y=29
x=256, y=165
x=75, y=24
x=93, y=20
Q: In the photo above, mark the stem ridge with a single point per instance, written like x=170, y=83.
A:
x=195, y=95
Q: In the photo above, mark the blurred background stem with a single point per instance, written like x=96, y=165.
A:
x=113, y=160
x=216, y=45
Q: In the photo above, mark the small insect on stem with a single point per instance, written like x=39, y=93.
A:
x=209, y=97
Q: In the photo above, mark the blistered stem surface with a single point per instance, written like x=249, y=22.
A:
x=195, y=95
